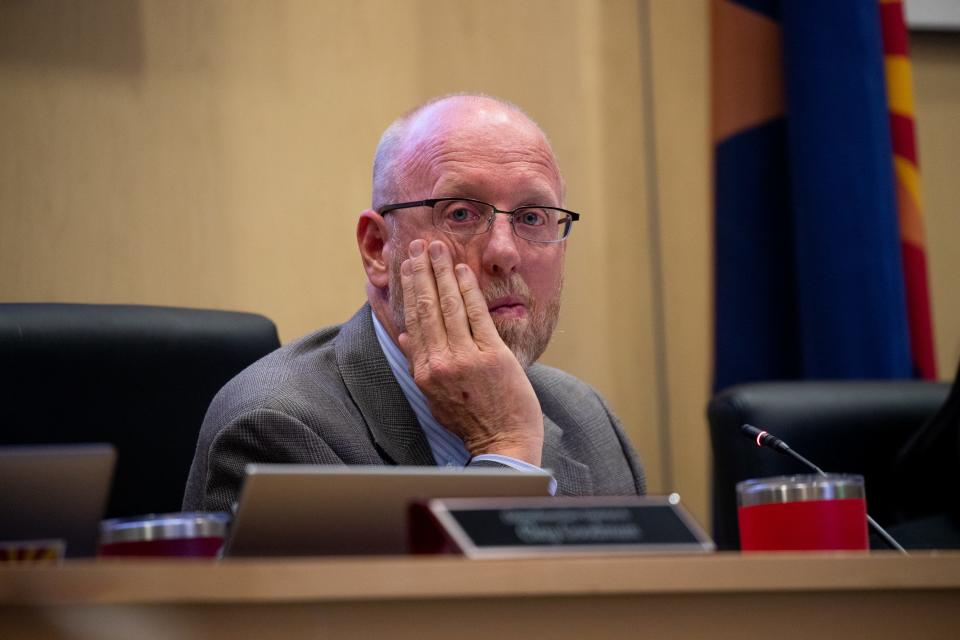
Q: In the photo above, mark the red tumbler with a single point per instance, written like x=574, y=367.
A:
x=195, y=534
x=803, y=513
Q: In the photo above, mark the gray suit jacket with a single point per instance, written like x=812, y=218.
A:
x=330, y=398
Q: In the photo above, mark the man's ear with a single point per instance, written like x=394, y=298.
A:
x=372, y=238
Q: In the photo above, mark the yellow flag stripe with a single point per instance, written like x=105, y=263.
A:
x=899, y=84
x=908, y=175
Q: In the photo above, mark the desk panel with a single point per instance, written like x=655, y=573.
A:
x=718, y=596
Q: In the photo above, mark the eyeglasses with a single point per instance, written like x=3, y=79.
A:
x=468, y=217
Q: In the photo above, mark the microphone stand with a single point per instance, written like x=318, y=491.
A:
x=766, y=439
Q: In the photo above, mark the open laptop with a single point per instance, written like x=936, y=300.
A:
x=296, y=510
x=55, y=492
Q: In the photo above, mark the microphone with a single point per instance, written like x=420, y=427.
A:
x=767, y=439
x=763, y=438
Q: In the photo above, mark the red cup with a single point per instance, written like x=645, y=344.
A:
x=188, y=534
x=803, y=513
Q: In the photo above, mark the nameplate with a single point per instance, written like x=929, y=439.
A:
x=515, y=527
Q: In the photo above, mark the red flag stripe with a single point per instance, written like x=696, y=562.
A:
x=918, y=311
x=894, y=29
x=904, y=140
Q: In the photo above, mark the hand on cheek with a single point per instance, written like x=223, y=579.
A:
x=472, y=381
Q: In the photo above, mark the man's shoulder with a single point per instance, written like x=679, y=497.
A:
x=550, y=379
x=293, y=405
x=560, y=392
x=297, y=370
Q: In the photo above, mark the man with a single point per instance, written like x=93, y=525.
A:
x=439, y=367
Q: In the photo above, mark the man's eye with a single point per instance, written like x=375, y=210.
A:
x=533, y=217
x=461, y=215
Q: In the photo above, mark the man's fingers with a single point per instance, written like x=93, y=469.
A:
x=452, y=307
x=433, y=335
x=484, y=331
x=403, y=341
x=411, y=320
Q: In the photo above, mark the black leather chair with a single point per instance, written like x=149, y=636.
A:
x=841, y=426
x=138, y=377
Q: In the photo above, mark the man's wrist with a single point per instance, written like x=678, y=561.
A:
x=526, y=451
x=513, y=463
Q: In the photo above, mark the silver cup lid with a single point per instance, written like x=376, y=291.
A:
x=779, y=489
x=165, y=526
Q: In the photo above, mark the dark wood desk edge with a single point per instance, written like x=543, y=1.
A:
x=405, y=578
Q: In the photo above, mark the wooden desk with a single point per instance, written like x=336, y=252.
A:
x=716, y=596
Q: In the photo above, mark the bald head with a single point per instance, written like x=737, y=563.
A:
x=460, y=121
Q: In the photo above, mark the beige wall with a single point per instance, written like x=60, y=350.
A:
x=682, y=158
x=936, y=75
x=216, y=154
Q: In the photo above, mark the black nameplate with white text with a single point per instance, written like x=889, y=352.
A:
x=510, y=527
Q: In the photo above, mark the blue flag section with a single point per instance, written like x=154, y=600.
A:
x=809, y=281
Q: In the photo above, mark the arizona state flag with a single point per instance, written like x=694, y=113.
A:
x=814, y=226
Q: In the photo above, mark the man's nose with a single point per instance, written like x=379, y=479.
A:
x=501, y=255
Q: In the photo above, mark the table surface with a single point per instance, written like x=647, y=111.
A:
x=125, y=581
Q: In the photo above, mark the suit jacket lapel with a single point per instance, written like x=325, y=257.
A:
x=367, y=376
x=573, y=478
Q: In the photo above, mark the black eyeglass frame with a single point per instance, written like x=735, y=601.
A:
x=571, y=216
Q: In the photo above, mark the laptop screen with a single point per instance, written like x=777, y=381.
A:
x=55, y=492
